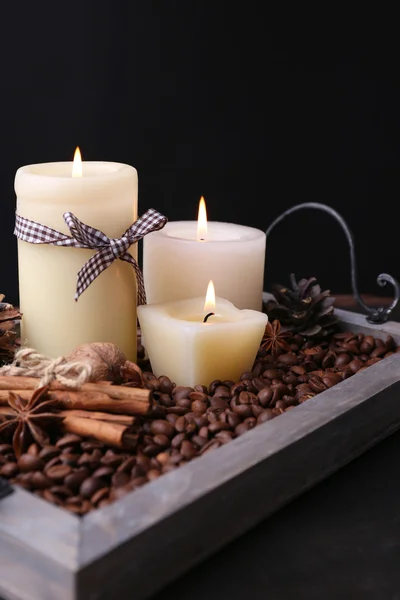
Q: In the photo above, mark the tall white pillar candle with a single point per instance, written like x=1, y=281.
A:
x=105, y=197
x=177, y=265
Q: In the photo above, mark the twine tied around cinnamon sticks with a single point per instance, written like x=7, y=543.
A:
x=29, y=363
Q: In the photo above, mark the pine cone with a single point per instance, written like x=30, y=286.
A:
x=304, y=309
x=8, y=334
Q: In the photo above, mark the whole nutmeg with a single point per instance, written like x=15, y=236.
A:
x=103, y=358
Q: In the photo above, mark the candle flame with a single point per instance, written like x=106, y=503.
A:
x=202, y=221
x=209, y=305
x=77, y=164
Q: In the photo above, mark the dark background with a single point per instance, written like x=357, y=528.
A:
x=254, y=111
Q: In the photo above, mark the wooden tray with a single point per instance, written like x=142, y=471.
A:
x=148, y=538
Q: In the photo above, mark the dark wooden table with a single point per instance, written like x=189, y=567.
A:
x=339, y=541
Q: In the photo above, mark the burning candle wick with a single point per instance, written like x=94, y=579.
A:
x=208, y=316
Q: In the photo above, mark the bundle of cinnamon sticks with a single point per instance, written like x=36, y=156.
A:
x=99, y=410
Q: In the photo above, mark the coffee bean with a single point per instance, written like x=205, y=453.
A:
x=245, y=426
x=355, y=365
x=288, y=359
x=378, y=351
x=212, y=445
x=232, y=419
x=111, y=459
x=218, y=426
x=9, y=470
x=103, y=472
x=271, y=374
x=290, y=378
x=90, y=446
x=316, y=384
x=48, y=452
x=256, y=409
x=265, y=396
x=92, y=461
x=151, y=450
x=184, y=403
x=181, y=392
x=373, y=361
x=222, y=391
x=153, y=474
x=219, y=404
x=29, y=462
x=245, y=397
x=39, y=481
x=199, y=440
x=60, y=491
x=187, y=450
x=166, y=385
x=90, y=486
x=200, y=420
x=201, y=388
x=163, y=427
x=161, y=440
x=213, y=386
x=237, y=388
x=58, y=472
x=180, y=424
x=50, y=497
x=390, y=344
x=242, y=410
x=76, y=478
x=178, y=439
x=70, y=439
x=266, y=415
x=331, y=379
x=224, y=436
x=33, y=449
x=100, y=495
x=366, y=348
x=198, y=406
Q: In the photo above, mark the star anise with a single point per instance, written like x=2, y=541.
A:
x=274, y=338
x=28, y=421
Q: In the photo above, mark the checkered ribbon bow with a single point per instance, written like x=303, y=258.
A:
x=85, y=236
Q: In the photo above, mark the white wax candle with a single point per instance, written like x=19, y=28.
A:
x=190, y=352
x=176, y=265
x=106, y=198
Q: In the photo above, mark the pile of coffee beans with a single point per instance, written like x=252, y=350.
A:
x=81, y=475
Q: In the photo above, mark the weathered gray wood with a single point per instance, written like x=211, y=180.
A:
x=172, y=523
x=38, y=548
x=140, y=543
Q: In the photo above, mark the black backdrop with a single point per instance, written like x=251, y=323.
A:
x=255, y=112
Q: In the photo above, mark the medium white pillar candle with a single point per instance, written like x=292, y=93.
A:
x=177, y=265
x=190, y=352
x=105, y=197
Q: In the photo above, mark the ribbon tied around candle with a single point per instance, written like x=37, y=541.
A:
x=85, y=236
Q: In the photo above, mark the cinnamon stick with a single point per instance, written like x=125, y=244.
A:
x=71, y=400
x=111, y=434
x=100, y=396
x=126, y=420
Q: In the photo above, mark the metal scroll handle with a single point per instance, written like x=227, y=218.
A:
x=375, y=315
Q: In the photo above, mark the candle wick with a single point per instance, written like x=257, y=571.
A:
x=207, y=317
